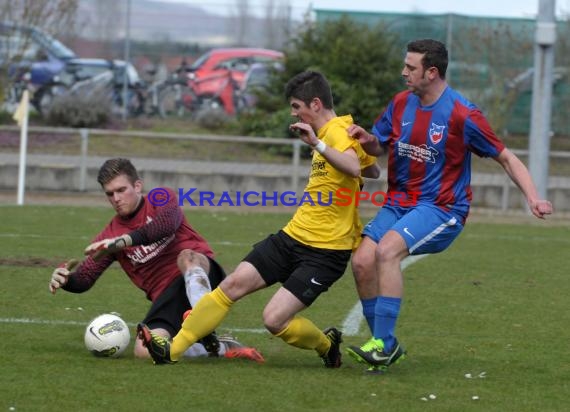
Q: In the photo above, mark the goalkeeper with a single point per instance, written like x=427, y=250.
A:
x=148, y=241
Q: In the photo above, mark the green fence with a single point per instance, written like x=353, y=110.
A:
x=491, y=61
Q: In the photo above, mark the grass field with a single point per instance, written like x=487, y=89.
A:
x=495, y=306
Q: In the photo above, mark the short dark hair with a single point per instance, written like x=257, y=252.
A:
x=435, y=54
x=117, y=167
x=307, y=85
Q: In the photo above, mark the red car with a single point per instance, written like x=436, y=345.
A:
x=215, y=75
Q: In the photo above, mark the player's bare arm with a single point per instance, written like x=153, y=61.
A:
x=347, y=161
x=519, y=174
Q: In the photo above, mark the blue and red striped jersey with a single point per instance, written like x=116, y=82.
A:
x=429, y=147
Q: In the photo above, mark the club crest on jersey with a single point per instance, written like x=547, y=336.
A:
x=436, y=133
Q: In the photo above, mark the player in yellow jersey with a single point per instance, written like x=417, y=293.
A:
x=309, y=254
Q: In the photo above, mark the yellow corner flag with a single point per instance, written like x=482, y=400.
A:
x=22, y=111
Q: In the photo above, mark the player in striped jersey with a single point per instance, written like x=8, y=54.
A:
x=429, y=132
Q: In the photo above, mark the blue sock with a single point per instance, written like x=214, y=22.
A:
x=368, y=312
x=386, y=313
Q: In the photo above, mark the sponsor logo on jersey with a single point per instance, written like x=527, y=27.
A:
x=142, y=254
x=422, y=153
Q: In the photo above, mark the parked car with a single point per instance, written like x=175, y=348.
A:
x=256, y=81
x=28, y=47
x=84, y=76
x=213, y=74
x=33, y=57
x=82, y=69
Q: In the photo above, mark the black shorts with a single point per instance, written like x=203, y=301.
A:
x=167, y=310
x=303, y=270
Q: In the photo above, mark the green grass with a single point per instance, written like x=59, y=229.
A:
x=495, y=302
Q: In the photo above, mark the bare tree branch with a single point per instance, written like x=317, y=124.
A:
x=56, y=17
x=242, y=21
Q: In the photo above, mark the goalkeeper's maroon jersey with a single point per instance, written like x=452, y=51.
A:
x=159, y=233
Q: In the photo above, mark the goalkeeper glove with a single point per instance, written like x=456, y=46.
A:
x=60, y=275
x=103, y=247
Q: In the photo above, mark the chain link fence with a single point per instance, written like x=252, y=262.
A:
x=491, y=61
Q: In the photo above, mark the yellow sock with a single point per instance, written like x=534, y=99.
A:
x=209, y=312
x=302, y=333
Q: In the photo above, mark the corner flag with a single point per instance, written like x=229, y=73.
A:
x=21, y=116
x=21, y=113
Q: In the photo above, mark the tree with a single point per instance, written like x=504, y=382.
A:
x=54, y=16
x=269, y=23
x=361, y=63
x=276, y=24
x=242, y=19
x=57, y=17
x=109, y=18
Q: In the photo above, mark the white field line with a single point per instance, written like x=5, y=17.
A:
x=351, y=324
x=28, y=321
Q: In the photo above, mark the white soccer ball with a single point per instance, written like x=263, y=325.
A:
x=107, y=336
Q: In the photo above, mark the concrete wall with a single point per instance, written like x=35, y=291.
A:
x=489, y=190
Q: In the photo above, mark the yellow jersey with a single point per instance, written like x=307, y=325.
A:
x=319, y=221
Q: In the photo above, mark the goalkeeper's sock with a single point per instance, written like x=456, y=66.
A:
x=209, y=312
x=386, y=310
x=195, y=351
x=302, y=333
x=197, y=284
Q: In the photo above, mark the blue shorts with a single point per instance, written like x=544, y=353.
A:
x=425, y=228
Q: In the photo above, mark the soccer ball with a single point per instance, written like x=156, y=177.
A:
x=107, y=336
